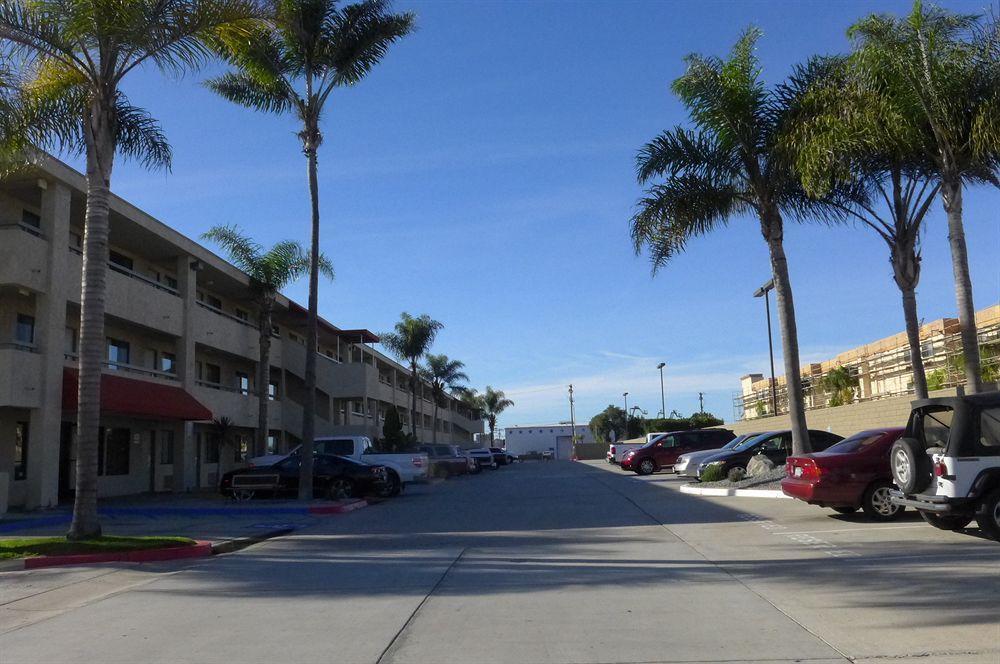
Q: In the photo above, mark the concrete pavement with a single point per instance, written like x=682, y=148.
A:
x=548, y=562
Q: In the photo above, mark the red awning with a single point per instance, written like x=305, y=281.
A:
x=142, y=399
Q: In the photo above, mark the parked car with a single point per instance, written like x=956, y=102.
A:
x=687, y=464
x=618, y=451
x=775, y=445
x=947, y=463
x=401, y=469
x=662, y=451
x=502, y=457
x=483, y=457
x=548, y=455
x=850, y=474
x=464, y=454
x=334, y=477
x=444, y=462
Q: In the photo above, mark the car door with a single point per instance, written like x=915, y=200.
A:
x=776, y=448
x=664, y=450
x=288, y=473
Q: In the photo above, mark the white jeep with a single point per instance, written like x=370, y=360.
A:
x=947, y=464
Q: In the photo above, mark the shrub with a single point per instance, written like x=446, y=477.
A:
x=737, y=475
x=713, y=474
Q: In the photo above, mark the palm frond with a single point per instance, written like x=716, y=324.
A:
x=140, y=136
x=246, y=89
x=359, y=36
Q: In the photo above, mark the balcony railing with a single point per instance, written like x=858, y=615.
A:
x=231, y=317
x=127, y=368
x=19, y=345
x=225, y=388
x=132, y=274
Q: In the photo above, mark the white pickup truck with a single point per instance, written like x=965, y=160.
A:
x=402, y=468
x=617, y=451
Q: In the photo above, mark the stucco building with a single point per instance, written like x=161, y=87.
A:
x=181, y=349
x=538, y=438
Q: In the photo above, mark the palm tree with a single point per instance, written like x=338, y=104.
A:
x=222, y=429
x=410, y=341
x=444, y=375
x=730, y=165
x=269, y=272
x=494, y=402
x=940, y=74
x=76, y=53
x=313, y=48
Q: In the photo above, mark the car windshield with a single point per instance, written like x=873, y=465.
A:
x=856, y=442
x=734, y=443
x=662, y=441
x=750, y=442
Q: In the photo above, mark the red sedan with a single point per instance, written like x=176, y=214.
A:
x=851, y=474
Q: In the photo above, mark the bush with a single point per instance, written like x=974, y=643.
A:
x=713, y=474
x=737, y=475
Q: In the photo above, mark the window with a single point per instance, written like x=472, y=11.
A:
x=771, y=444
x=243, y=383
x=169, y=281
x=21, y=450
x=113, y=452
x=242, y=315
x=24, y=332
x=338, y=447
x=118, y=352
x=166, y=448
x=212, y=445
x=69, y=341
x=272, y=391
x=29, y=218
x=213, y=373
x=272, y=443
x=120, y=260
x=989, y=428
x=935, y=427
x=168, y=363
x=241, y=449
x=209, y=300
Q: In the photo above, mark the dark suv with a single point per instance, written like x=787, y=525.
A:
x=661, y=453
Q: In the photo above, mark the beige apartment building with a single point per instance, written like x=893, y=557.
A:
x=882, y=368
x=182, y=350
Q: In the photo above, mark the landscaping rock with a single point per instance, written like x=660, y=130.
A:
x=759, y=465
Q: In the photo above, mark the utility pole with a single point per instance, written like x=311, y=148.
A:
x=763, y=292
x=701, y=402
x=572, y=421
x=663, y=399
x=626, y=415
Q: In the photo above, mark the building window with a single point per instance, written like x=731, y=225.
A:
x=29, y=218
x=272, y=443
x=166, y=448
x=21, y=450
x=24, y=332
x=272, y=391
x=121, y=260
x=168, y=363
x=118, y=352
x=113, y=452
x=212, y=448
x=213, y=373
x=241, y=448
x=69, y=341
x=209, y=300
x=243, y=383
x=242, y=315
x=169, y=281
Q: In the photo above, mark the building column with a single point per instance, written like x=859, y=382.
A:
x=184, y=446
x=50, y=329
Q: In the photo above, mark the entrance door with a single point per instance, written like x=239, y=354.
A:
x=564, y=447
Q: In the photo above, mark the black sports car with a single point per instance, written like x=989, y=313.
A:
x=334, y=477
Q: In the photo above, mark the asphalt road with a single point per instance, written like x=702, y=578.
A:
x=539, y=562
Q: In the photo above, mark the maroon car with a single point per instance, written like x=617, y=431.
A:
x=851, y=474
x=661, y=453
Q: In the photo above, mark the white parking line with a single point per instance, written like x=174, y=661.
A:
x=852, y=530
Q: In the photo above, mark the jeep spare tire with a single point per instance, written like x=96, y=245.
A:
x=911, y=467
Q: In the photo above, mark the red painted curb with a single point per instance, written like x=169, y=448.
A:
x=339, y=508
x=144, y=556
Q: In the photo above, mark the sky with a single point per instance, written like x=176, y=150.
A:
x=484, y=174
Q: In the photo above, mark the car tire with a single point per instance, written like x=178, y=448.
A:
x=340, y=488
x=911, y=467
x=392, y=487
x=845, y=510
x=243, y=495
x=946, y=521
x=645, y=467
x=988, y=515
x=877, y=503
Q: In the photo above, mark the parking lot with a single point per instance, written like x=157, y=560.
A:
x=555, y=562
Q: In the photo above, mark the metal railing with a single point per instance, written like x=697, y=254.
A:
x=225, y=388
x=131, y=274
x=19, y=345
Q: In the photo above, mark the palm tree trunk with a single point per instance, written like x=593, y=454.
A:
x=906, y=272
x=264, y=374
x=951, y=196
x=913, y=337
x=772, y=226
x=100, y=160
x=312, y=333
x=413, y=399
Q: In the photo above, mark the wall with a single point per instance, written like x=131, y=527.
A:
x=590, y=450
x=843, y=420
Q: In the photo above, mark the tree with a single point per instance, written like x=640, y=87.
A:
x=494, y=403
x=269, y=272
x=610, y=419
x=392, y=430
x=76, y=55
x=222, y=430
x=444, y=375
x=840, y=383
x=702, y=420
x=941, y=81
x=730, y=165
x=312, y=48
x=410, y=341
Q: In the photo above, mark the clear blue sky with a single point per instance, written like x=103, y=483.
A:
x=484, y=175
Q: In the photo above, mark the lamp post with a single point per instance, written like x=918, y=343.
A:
x=763, y=292
x=663, y=399
x=626, y=415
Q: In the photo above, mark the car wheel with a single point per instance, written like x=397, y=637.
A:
x=845, y=510
x=911, y=467
x=947, y=521
x=877, y=503
x=340, y=488
x=392, y=485
x=494, y=465
x=988, y=515
x=646, y=467
x=242, y=495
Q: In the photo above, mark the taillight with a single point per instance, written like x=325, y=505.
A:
x=940, y=469
x=805, y=469
x=613, y=449
x=418, y=462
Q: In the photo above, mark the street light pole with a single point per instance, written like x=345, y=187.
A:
x=763, y=292
x=663, y=399
x=626, y=415
x=572, y=421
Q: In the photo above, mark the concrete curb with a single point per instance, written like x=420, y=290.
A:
x=240, y=543
x=695, y=490
x=198, y=550
x=342, y=507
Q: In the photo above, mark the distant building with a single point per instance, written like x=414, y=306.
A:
x=538, y=438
